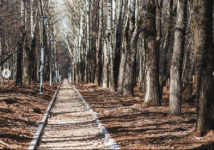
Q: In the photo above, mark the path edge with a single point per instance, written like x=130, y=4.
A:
x=109, y=142
x=42, y=123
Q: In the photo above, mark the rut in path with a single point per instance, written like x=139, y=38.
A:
x=70, y=125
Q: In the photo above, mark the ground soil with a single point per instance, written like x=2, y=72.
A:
x=21, y=110
x=135, y=125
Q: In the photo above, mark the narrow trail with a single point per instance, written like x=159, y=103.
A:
x=70, y=125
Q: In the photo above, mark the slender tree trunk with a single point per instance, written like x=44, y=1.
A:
x=99, y=45
x=204, y=58
x=80, y=46
x=119, y=41
x=1, y=68
x=112, y=43
x=1, y=53
x=87, y=59
x=19, y=57
x=105, y=66
x=189, y=69
x=163, y=52
x=177, y=60
x=142, y=63
x=27, y=53
x=108, y=50
x=188, y=65
x=159, y=4
x=20, y=46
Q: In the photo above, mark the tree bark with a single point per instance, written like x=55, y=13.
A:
x=99, y=45
x=131, y=52
x=142, y=63
x=19, y=57
x=204, y=58
x=152, y=91
x=118, y=52
x=159, y=5
x=26, y=51
x=108, y=51
x=163, y=52
x=87, y=59
x=126, y=54
x=177, y=60
x=188, y=65
x=112, y=41
x=1, y=68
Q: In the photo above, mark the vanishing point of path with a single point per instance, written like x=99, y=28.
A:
x=70, y=125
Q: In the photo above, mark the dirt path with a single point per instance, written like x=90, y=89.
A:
x=70, y=125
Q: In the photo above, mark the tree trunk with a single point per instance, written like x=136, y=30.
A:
x=142, y=63
x=129, y=76
x=80, y=46
x=108, y=52
x=19, y=57
x=87, y=59
x=152, y=75
x=112, y=43
x=188, y=65
x=127, y=35
x=119, y=41
x=163, y=52
x=159, y=5
x=204, y=58
x=26, y=52
x=99, y=45
x=1, y=68
x=105, y=65
x=177, y=60
x=20, y=46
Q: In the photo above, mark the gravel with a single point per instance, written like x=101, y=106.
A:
x=70, y=125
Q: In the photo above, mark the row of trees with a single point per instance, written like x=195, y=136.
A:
x=122, y=43
x=119, y=44
x=21, y=38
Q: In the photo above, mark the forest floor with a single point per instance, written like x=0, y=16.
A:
x=135, y=125
x=21, y=110
x=130, y=122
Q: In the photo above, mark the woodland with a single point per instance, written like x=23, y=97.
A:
x=154, y=54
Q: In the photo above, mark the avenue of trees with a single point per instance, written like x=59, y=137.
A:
x=118, y=44
x=150, y=43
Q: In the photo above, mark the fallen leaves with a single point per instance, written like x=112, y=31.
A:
x=21, y=108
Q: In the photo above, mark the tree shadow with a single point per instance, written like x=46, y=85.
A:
x=151, y=124
x=206, y=146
